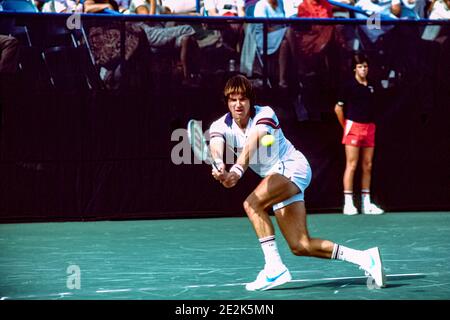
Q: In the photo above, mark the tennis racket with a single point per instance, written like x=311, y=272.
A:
x=198, y=143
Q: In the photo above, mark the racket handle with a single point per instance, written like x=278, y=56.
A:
x=216, y=164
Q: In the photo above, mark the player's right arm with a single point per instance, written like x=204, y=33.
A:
x=217, y=148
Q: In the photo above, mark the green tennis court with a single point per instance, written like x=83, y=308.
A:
x=203, y=259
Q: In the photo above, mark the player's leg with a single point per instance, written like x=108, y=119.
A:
x=272, y=189
x=292, y=222
x=351, y=163
x=367, y=206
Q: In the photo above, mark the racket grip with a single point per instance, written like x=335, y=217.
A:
x=216, y=163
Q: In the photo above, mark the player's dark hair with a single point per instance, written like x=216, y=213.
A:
x=239, y=84
x=359, y=58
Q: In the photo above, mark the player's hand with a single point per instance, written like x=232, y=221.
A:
x=219, y=175
x=231, y=180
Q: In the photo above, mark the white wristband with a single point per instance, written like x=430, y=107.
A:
x=238, y=169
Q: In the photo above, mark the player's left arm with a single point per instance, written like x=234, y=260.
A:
x=242, y=162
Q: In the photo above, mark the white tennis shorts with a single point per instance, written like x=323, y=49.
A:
x=296, y=169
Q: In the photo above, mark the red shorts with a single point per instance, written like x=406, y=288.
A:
x=359, y=134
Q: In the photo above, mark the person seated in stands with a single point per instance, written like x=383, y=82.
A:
x=439, y=9
x=420, y=8
x=387, y=8
x=315, y=9
x=101, y=6
x=62, y=6
x=142, y=7
x=291, y=7
x=181, y=7
x=307, y=45
x=340, y=12
x=276, y=38
x=225, y=7
x=123, y=5
x=408, y=9
x=232, y=33
x=160, y=35
x=384, y=10
x=37, y=3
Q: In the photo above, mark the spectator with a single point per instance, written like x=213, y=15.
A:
x=123, y=5
x=62, y=6
x=315, y=9
x=306, y=44
x=160, y=36
x=420, y=8
x=439, y=9
x=291, y=7
x=99, y=6
x=179, y=6
x=142, y=7
x=225, y=7
x=232, y=33
x=276, y=38
x=386, y=8
x=340, y=12
x=408, y=9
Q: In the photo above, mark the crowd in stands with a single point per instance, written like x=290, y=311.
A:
x=432, y=9
x=244, y=43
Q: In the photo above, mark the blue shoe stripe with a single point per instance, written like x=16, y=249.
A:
x=275, y=278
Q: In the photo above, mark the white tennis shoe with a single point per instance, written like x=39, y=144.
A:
x=350, y=210
x=375, y=268
x=371, y=209
x=268, y=279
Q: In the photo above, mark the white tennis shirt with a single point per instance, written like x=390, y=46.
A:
x=265, y=158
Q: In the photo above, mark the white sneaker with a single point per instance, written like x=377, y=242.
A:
x=269, y=279
x=371, y=209
x=375, y=269
x=350, y=210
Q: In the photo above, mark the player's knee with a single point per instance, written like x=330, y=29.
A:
x=301, y=248
x=250, y=206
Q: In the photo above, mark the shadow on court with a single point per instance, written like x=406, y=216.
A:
x=342, y=283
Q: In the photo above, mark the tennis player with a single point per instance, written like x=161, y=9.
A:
x=355, y=112
x=285, y=176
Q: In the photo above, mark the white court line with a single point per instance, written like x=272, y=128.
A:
x=113, y=290
x=308, y=280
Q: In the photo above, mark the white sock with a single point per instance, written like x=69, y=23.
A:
x=270, y=250
x=348, y=198
x=357, y=257
x=365, y=197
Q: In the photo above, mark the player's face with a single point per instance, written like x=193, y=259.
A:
x=362, y=69
x=239, y=106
